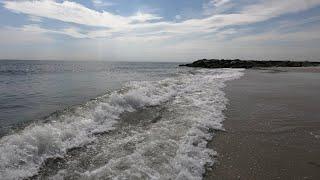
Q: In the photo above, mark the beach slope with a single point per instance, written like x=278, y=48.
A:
x=272, y=126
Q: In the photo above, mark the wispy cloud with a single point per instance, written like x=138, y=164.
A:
x=222, y=23
x=218, y=3
x=72, y=32
x=73, y=12
x=100, y=3
x=143, y=17
x=35, y=19
x=217, y=6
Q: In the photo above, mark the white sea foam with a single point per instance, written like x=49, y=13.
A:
x=172, y=148
x=175, y=146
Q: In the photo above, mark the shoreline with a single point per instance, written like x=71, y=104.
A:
x=272, y=126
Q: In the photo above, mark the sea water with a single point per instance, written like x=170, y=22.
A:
x=108, y=120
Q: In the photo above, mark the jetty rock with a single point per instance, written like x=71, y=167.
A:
x=237, y=63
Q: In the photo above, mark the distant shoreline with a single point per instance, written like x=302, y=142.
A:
x=248, y=64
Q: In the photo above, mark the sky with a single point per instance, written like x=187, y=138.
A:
x=159, y=30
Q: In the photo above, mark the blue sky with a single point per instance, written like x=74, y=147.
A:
x=159, y=30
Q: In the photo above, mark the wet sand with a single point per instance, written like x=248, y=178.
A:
x=272, y=126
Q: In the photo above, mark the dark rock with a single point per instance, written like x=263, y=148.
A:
x=237, y=63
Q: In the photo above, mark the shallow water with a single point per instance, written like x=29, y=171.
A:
x=31, y=90
x=154, y=126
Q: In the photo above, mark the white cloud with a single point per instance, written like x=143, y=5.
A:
x=67, y=11
x=140, y=24
x=273, y=8
x=143, y=17
x=179, y=39
x=72, y=32
x=218, y=3
x=100, y=3
x=311, y=34
x=73, y=12
x=217, y=6
x=35, y=19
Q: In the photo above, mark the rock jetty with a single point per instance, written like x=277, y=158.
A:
x=237, y=63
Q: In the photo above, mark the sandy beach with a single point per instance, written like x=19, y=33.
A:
x=272, y=126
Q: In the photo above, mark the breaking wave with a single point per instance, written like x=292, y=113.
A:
x=173, y=147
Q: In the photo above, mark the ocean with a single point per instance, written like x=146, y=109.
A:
x=108, y=120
